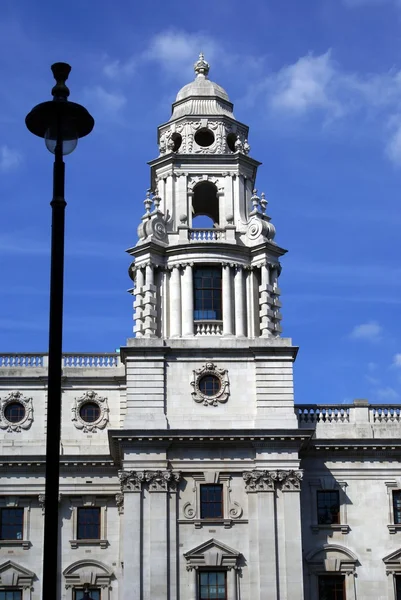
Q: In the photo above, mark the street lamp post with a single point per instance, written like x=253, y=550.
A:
x=61, y=123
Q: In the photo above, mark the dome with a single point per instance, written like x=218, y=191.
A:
x=202, y=96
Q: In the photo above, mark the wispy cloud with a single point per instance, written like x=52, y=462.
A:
x=306, y=85
x=387, y=393
x=105, y=102
x=118, y=69
x=10, y=159
x=397, y=360
x=371, y=331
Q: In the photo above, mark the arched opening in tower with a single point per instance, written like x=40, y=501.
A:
x=205, y=203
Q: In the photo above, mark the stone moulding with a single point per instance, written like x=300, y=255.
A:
x=155, y=481
x=100, y=423
x=224, y=391
x=27, y=419
x=269, y=481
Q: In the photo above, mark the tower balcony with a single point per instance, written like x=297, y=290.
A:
x=208, y=327
x=207, y=235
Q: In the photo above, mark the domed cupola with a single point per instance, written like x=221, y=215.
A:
x=202, y=120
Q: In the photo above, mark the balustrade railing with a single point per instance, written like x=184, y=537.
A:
x=208, y=327
x=323, y=413
x=91, y=360
x=83, y=360
x=385, y=414
x=206, y=235
x=22, y=360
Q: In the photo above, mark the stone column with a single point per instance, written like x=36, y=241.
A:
x=193, y=588
x=276, y=304
x=289, y=539
x=227, y=301
x=175, y=302
x=265, y=301
x=159, y=485
x=187, y=301
x=239, y=302
x=131, y=485
x=139, y=283
x=149, y=312
x=260, y=487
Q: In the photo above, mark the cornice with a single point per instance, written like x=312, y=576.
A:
x=251, y=438
x=342, y=447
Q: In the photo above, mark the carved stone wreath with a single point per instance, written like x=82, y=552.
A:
x=27, y=419
x=101, y=421
x=223, y=392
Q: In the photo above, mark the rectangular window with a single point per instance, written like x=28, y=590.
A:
x=87, y=594
x=211, y=497
x=397, y=506
x=212, y=585
x=12, y=523
x=11, y=594
x=332, y=587
x=207, y=294
x=88, y=523
x=398, y=588
x=328, y=507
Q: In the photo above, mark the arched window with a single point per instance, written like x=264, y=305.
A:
x=205, y=201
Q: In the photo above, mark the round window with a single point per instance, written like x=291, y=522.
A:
x=89, y=412
x=177, y=139
x=231, y=139
x=209, y=385
x=204, y=137
x=14, y=412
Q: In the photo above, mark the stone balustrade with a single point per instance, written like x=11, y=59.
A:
x=40, y=360
x=310, y=414
x=206, y=235
x=208, y=327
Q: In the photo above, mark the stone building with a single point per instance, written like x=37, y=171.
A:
x=187, y=471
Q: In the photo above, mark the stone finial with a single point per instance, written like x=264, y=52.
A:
x=255, y=199
x=263, y=202
x=156, y=199
x=201, y=67
x=247, y=147
x=239, y=147
x=148, y=202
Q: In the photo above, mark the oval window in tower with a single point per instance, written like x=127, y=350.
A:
x=209, y=385
x=231, y=139
x=89, y=412
x=204, y=137
x=177, y=140
x=14, y=412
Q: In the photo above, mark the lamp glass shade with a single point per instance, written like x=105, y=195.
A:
x=67, y=136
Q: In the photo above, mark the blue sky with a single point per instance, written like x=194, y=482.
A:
x=319, y=84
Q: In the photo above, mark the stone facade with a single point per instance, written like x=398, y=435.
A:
x=202, y=476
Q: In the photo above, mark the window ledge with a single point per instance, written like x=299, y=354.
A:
x=394, y=527
x=78, y=543
x=333, y=527
x=25, y=544
x=199, y=523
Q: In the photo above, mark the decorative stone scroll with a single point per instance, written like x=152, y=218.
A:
x=259, y=481
x=224, y=386
x=120, y=503
x=90, y=426
x=268, y=481
x=156, y=481
x=26, y=418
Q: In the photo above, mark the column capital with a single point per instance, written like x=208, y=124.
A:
x=267, y=481
x=156, y=481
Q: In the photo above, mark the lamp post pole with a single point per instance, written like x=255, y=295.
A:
x=61, y=123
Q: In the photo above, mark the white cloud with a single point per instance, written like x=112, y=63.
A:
x=387, y=393
x=397, y=360
x=176, y=51
x=306, y=85
x=367, y=331
x=9, y=159
x=117, y=69
x=109, y=103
